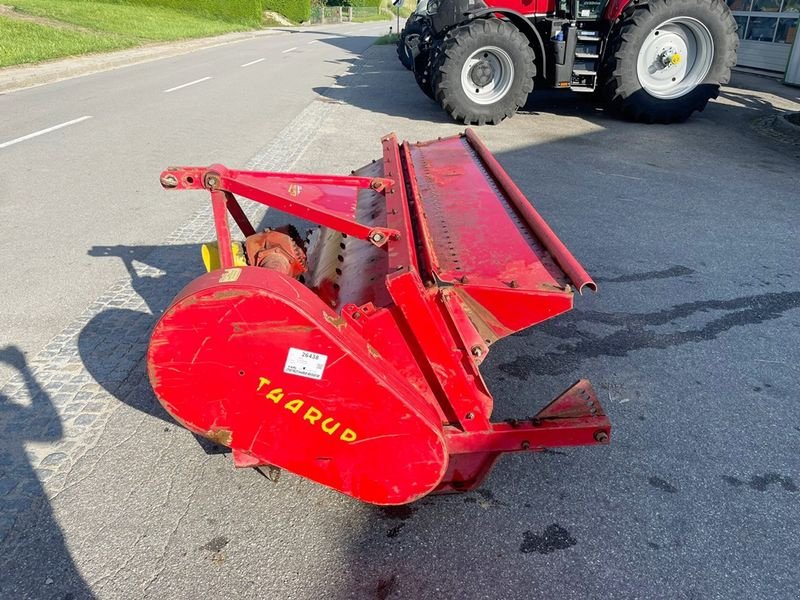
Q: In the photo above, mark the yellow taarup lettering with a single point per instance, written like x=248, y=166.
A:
x=275, y=395
x=312, y=414
x=294, y=405
x=348, y=435
x=327, y=428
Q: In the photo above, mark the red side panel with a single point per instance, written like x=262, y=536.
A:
x=255, y=361
x=525, y=7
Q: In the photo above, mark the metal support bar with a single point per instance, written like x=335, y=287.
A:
x=575, y=418
x=507, y=437
x=455, y=389
x=300, y=195
x=401, y=255
x=238, y=215
x=219, y=206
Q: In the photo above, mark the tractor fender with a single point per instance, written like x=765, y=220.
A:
x=616, y=7
x=524, y=25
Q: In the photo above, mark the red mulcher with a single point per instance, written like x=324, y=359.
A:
x=352, y=358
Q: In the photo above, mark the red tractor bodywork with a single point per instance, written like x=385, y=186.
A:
x=548, y=7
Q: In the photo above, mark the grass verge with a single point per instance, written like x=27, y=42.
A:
x=149, y=23
x=370, y=18
x=389, y=38
x=25, y=42
x=74, y=27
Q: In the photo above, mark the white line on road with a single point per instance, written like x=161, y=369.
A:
x=288, y=50
x=252, y=62
x=43, y=131
x=313, y=41
x=178, y=87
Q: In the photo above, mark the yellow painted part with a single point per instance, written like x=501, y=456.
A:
x=676, y=59
x=210, y=252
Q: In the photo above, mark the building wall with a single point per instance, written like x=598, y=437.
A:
x=767, y=29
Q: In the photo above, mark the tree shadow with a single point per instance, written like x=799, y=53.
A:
x=35, y=561
x=375, y=73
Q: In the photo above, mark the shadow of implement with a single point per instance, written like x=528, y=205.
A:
x=157, y=274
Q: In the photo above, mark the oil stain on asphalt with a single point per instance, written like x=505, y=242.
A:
x=662, y=484
x=761, y=483
x=633, y=333
x=553, y=538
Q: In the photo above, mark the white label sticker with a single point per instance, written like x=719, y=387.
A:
x=305, y=363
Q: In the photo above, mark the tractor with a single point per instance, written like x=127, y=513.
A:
x=650, y=61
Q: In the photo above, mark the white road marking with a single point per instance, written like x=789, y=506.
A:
x=252, y=62
x=180, y=87
x=288, y=50
x=43, y=131
x=313, y=41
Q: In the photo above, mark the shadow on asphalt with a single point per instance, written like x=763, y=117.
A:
x=351, y=43
x=370, y=85
x=44, y=561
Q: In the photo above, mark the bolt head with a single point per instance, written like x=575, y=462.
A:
x=169, y=181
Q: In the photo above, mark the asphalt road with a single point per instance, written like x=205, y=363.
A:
x=692, y=344
x=91, y=182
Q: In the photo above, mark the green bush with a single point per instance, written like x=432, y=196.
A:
x=366, y=3
x=296, y=10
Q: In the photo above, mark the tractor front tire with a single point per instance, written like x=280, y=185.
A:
x=424, y=65
x=665, y=59
x=484, y=72
x=403, y=53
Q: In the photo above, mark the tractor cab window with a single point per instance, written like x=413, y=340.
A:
x=590, y=9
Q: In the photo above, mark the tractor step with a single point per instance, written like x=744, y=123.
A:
x=587, y=57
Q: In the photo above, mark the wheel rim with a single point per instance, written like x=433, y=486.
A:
x=487, y=75
x=675, y=58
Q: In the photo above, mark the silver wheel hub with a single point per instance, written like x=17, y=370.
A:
x=487, y=75
x=675, y=58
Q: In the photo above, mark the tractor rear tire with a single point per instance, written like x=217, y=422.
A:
x=484, y=72
x=665, y=59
